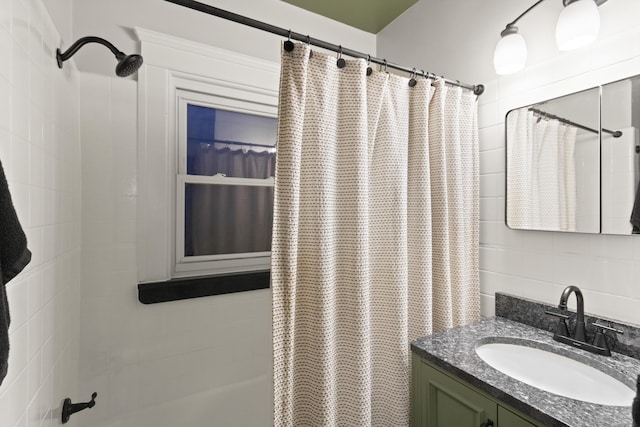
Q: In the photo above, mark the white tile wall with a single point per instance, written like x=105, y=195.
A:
x=189, y=363
x=539, y=265
x=40, y=152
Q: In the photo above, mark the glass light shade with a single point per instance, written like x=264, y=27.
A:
x=578, y=25
x=510, y=55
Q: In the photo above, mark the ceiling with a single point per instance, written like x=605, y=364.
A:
x=368, y=15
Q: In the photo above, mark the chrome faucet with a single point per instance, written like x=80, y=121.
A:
x=579, y=333
x=579, y=339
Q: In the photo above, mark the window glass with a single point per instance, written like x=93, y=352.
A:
x=230, y=143
x=232, y=211
x=227, y=219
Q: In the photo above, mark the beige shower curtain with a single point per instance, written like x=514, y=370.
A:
x=375, y=236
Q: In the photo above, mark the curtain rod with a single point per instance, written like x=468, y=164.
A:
x=210, y=10
x=615, y=133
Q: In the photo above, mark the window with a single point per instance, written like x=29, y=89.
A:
x=224, y=183
x=206, y=150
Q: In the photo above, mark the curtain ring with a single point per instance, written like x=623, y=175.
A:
x=288, y=45
x=385, y=65
x=369, y=69
x=309, y=44
x=340, y=62
x=412, y=80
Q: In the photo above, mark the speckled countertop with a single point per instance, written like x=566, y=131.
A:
x=454, y=351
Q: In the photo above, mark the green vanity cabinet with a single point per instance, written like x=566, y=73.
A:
x=442, y=400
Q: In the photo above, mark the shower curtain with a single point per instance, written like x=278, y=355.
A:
x=541, y=172
x=375, y=236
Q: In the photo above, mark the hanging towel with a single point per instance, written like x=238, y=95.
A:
x=14, y=256
x=635, y=212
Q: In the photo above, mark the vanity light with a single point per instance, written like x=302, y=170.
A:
x=510, y=55
x=578, y=25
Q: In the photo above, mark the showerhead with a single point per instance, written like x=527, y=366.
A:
x=127, y=64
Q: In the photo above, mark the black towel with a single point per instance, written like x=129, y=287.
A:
x=14, y=256
x=635, y=213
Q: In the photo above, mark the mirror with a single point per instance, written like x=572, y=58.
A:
x=553, y=165
x=563, y=174
x=620, y=157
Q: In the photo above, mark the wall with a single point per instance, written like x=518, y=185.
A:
x=537, y=265
x=191, y=363
x=40, y=152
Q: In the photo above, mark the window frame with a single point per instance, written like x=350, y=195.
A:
x=222, y=263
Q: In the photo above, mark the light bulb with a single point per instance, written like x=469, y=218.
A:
x=578, y=25
x=510, y=55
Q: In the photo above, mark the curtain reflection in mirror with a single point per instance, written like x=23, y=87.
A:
x=541, y=172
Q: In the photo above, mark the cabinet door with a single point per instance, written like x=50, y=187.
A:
x=449, y=403
x=506, y=418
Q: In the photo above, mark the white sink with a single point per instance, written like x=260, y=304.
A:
x=556, y=374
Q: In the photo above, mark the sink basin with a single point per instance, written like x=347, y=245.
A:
x=556, y=374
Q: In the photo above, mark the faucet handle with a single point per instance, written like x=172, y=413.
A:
x=562, y=329
x=600, y=339
x=556, y=314
x=608, y=327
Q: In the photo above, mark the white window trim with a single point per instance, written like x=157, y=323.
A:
x=173, y=65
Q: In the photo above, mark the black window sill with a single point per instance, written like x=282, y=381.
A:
x=196, y=287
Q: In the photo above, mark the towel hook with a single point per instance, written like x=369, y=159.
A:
x=412, y=80
x=369, y=69
x=288, y=45
x=69, y=408
x=340, y=62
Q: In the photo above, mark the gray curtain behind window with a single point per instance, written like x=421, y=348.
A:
x=222, y=219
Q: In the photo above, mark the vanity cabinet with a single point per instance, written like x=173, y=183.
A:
x=439, y=399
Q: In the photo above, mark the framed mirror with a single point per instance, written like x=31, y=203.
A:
x=572, y=163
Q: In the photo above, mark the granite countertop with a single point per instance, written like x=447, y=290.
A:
x=454, y=351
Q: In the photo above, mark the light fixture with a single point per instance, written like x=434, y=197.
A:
x=510, y=55
x=578, y=25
